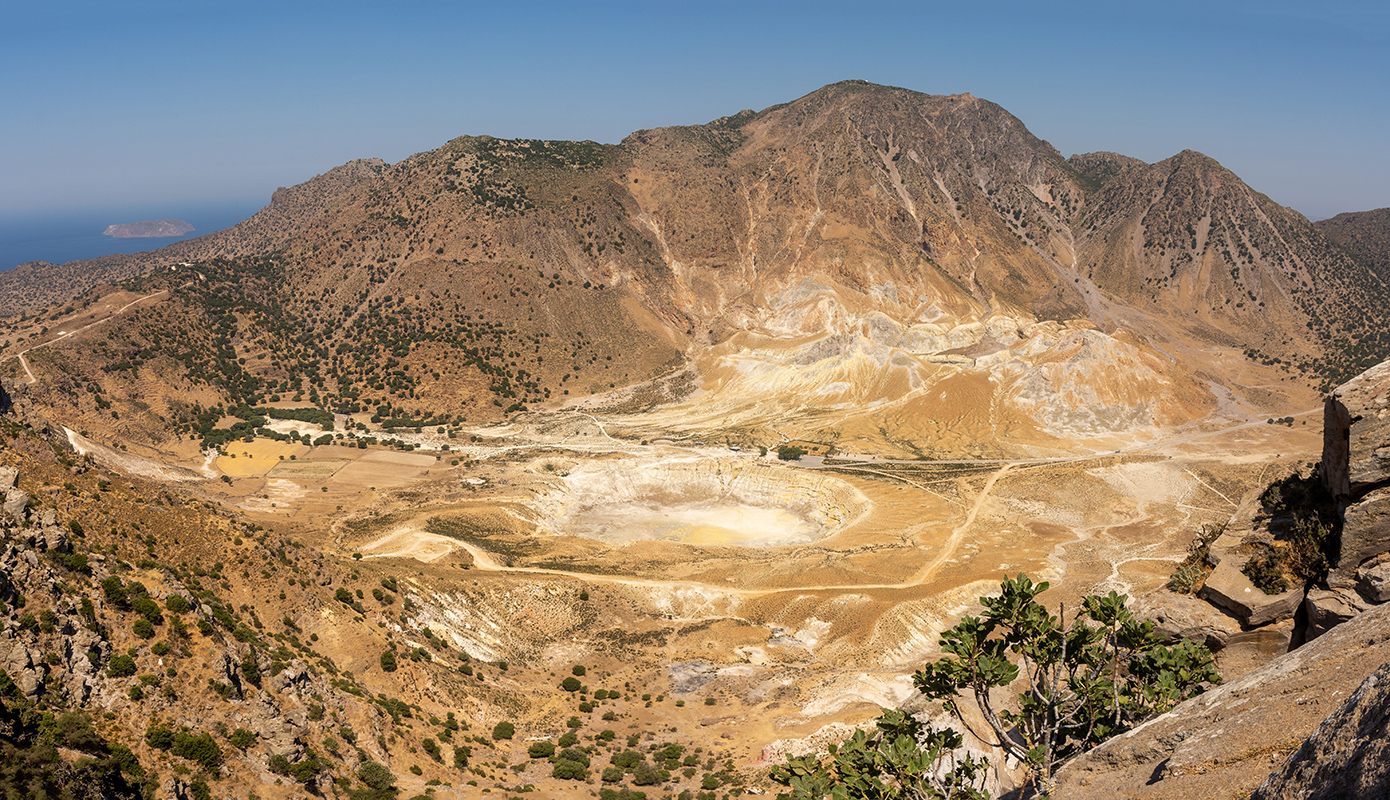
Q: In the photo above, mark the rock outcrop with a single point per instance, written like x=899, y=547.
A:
x=1226, y=742
x=1348, y=755
x=1356, y=468
x=1178, y=616
x=1327, y=609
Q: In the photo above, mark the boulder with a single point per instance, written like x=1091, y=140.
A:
x=1228, y=587
x=1224, y=743
x=1330, y=608
x=55, y=539
x=15, y=502
x=79, y=689
x=1365, y=535
x=1180, y=616
x=173, y=789
x=1249, y=650
x=296, y=676
x=280, y=733
x=1373, y=580
x=8, y=475
x=18, y=659
x=1356, y=434
x=1347, y=756
x=30, y=682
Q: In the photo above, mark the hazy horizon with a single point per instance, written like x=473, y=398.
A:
x=160, y=104
x=59, y=236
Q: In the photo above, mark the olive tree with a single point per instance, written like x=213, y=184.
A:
x=1083, y=680
x=1080, y=680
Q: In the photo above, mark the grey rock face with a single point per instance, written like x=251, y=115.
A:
x=1347, y=756
x=1183, y=617
x=55, y=539
x=79, y=689
x=1328, y=609
x=1356, y=434
x=1356, y=469
x=18, y=659
x=15, y=502
x=280, y=733
x=30, y=682
x=296, y=676
x=1250, y=650
x=1365, y=535
x=1373, y=580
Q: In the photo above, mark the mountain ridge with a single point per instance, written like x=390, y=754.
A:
x=856, y=222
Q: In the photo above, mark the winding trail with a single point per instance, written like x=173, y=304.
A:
x=24, y=362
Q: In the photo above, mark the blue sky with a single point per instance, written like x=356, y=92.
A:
x=146, y=103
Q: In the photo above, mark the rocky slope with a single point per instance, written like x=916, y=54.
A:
x=1365, y=234
x=153, y=644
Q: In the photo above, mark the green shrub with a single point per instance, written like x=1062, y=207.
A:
x=375, y=775
x=115, y=592
x=242, y=738
x=177, y=604
x=121, y=666
x=1266, y=570
x=574, y=754
x=1194, y=569
x=1112, y=675
x=570, y=684
x=788, y=452
x=147, y=608
x=569, y=770
x=160, y=737
x=249, y=669
x=647, y=775
x=503, y=730
x=197, y=747
x=388, y=661
x=541, y=750
x=1307, y=546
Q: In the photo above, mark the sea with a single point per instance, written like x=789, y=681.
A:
x=64, y=236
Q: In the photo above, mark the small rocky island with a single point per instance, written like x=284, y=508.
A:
x=149, y=229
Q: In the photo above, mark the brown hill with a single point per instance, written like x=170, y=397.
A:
x=888, y=238
x=1365, y=234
